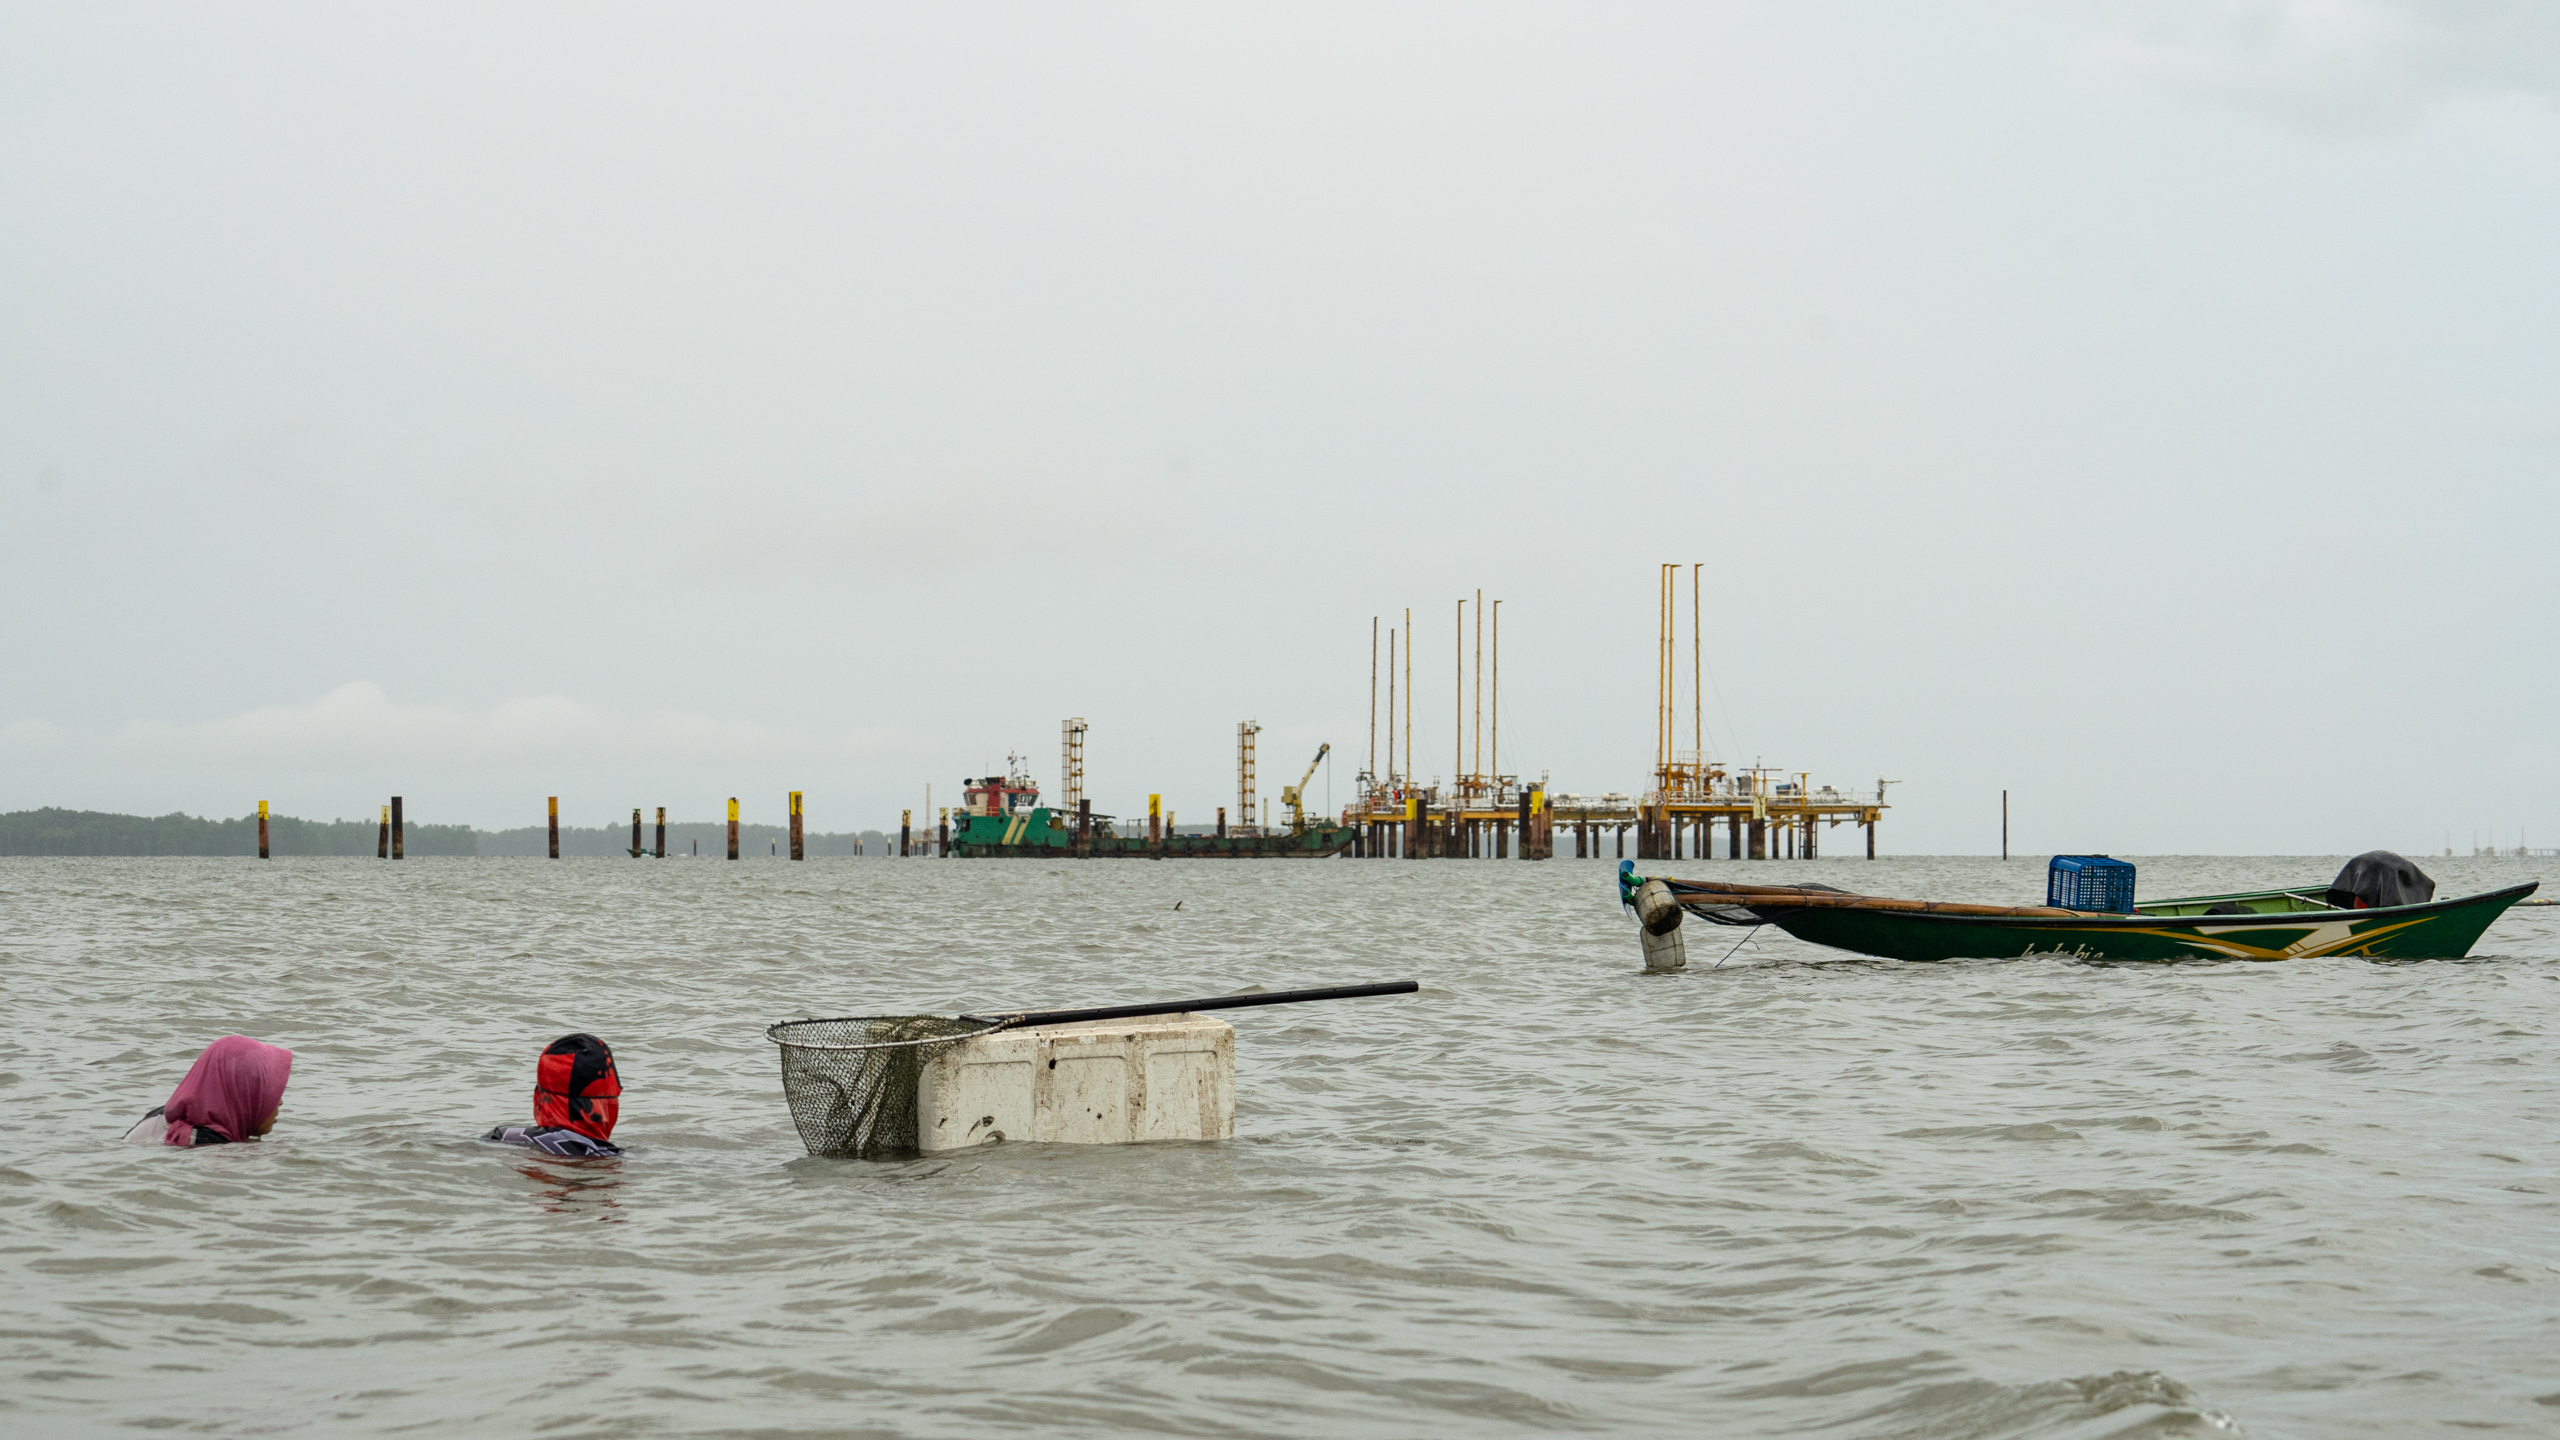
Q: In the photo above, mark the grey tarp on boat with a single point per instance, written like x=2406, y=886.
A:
x=2379, y=878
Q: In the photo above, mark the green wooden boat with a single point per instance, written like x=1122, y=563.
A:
x=2296, y=924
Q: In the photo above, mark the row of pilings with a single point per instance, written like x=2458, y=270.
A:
x=1459, y=832
x=1667, y=833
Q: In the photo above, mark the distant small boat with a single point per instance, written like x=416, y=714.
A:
x=2302, y=923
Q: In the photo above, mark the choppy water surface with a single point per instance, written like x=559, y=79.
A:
x=1802, y=1193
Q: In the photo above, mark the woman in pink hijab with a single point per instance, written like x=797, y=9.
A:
x=230, y=1094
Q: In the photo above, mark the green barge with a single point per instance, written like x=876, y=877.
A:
x=1001, y=817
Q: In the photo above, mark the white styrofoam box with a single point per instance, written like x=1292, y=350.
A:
x=1101, y=1082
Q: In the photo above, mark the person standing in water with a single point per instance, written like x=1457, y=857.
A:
x=576, y=1098
x=230, y=1094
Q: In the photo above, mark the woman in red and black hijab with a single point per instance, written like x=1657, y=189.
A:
x=576, y=1098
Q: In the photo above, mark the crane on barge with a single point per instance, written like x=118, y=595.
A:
x=1294, y=796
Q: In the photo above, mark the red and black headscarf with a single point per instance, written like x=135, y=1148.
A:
x=575, y=1087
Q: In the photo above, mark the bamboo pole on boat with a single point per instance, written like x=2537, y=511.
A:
x=1711, y=895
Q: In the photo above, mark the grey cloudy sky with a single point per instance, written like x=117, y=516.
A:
x=2151, y=409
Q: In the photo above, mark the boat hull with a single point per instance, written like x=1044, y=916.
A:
x=2441, y=929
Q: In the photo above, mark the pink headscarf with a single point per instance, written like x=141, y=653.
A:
x=231, y=1089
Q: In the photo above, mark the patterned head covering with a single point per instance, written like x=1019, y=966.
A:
x=575, y=1087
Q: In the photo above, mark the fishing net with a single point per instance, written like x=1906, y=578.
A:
x=852, y=1082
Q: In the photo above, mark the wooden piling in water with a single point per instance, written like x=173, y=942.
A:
x=635, y=832
x=382, y=842
x=797, y=853
x=262, y=830
x=662, y=832
x=906, y=822
x=555, y=827
x=399, y=841
x=733, y=827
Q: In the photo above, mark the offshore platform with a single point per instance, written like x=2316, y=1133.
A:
x=1482, y=812
x=1479, y=811
x=1764, y=810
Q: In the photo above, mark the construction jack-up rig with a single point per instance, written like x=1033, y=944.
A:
x=1002, y=818
x=1777, y=810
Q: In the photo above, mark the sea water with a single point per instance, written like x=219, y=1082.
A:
x=1796, y=1192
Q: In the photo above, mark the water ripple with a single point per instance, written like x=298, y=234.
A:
x=1548, y=1195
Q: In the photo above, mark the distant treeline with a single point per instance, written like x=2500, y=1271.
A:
x=89, y=832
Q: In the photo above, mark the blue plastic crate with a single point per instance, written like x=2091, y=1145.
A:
x=2089, y=882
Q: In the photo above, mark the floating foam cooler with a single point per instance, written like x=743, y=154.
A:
x=877, y=1087
x=1102, y=1082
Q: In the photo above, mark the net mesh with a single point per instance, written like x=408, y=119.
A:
x=852, y=1082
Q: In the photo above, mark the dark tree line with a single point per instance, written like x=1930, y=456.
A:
x=90, y=832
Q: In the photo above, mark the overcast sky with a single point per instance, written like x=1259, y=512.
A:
x=2151, y=409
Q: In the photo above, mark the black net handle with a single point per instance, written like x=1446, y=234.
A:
x=1222, y=1002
